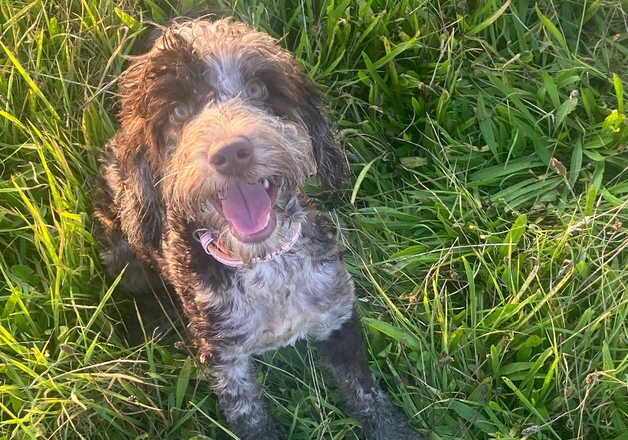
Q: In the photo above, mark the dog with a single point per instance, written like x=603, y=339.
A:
x=219, y=128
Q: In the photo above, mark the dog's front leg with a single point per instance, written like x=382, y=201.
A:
x=241, y=400
x=344, y=354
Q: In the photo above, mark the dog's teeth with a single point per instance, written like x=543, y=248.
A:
x=266, y=183
x=267, y=221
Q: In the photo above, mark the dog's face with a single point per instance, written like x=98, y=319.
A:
x=231, y=128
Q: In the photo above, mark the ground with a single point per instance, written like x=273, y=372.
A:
x=485, y=225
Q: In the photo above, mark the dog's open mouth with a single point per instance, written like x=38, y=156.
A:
x=248, y=208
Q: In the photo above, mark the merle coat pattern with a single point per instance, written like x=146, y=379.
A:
x=210, y=115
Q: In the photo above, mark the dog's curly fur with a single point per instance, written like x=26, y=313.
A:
x=202, y=85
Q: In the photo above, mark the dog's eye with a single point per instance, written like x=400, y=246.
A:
x=181, y=113
x=256, y=89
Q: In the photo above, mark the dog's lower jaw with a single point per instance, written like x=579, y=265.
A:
x=285, y=219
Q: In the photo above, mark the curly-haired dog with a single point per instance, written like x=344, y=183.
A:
x=199, y=187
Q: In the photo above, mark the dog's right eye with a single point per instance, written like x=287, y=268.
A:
x=256, y=90
x=181, y=113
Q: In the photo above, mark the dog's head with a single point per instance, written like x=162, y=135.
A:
x=230, y=127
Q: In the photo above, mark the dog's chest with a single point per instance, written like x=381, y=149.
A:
x=290, y=298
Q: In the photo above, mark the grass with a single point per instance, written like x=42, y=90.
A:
x=486, y=228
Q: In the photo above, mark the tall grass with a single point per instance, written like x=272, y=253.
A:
x=485, y=227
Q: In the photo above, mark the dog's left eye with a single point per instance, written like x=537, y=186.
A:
x=181, y=113
x=256, y=90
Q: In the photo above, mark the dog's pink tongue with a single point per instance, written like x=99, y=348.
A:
x=246, y=207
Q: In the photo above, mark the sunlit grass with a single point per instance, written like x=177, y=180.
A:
x=485, y=227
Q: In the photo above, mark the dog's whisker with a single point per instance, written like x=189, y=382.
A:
x=164, y=177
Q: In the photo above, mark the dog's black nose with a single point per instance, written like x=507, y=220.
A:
x=234, y=158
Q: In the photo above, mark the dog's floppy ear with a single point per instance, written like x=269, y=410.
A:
x=133, y=150
x=138, y=196
x=330, y=156
x=149, y=90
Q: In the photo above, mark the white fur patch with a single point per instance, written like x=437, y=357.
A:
x=278, y=302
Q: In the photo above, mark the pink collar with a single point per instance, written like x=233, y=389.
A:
x=206, y=238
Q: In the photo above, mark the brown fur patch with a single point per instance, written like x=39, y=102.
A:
x=187, y=97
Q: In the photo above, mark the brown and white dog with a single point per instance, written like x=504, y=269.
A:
x=219, y=127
